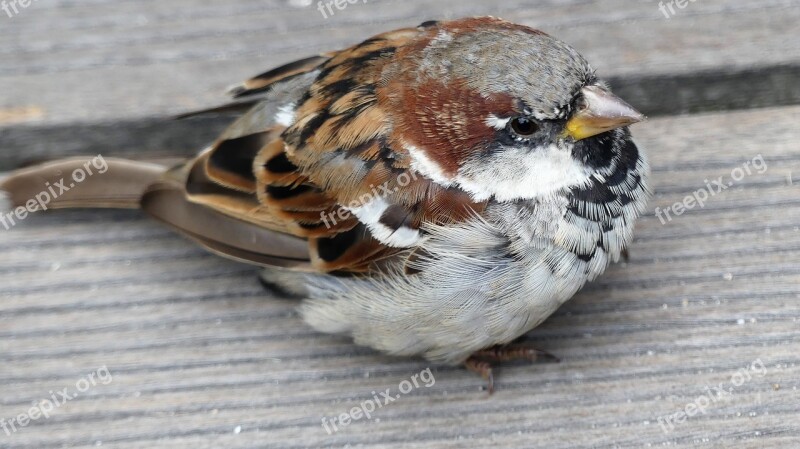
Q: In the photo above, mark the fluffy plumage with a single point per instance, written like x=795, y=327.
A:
x=431, y=191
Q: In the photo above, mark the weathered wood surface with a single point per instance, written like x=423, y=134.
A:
x=202, y=357
x=189, y=50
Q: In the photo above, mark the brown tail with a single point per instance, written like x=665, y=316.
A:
x=83, y=182
x=156, y=188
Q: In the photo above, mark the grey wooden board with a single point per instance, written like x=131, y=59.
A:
x=202, y=357
x=98, y=76
x=117, y=59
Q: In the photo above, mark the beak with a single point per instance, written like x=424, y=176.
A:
x=600, y=111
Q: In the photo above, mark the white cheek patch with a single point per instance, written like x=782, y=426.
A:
x=511, y=174
x=370, y=214
x=518, y=173
x=286, y=115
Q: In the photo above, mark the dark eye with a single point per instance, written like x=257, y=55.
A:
x=524, y=127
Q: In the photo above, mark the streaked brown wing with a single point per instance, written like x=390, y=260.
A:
x=338, y=155
x=343, y=139
x=263, y=82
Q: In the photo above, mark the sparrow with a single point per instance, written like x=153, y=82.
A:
x=435, y=191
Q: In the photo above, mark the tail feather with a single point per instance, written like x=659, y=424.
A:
x=223, y=234
x=158, y=188
x=82, y=182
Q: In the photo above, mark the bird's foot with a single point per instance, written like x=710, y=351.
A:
x=481, y=361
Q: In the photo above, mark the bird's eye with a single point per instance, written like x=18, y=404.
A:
x=524, y=127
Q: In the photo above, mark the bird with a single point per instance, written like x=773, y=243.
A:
x=434, y=191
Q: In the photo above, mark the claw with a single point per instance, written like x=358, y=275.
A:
x=483, y=369
x=479, y=362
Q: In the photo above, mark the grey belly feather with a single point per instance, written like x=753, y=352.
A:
x=481, y=283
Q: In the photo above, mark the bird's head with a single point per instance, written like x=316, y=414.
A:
x=507, y=112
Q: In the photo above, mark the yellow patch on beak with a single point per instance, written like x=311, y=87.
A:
x=600, y=111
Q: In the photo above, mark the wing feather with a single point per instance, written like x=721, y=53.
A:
x=335, y=174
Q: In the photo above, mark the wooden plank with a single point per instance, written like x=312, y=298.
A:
x=202, y=357
x=96, y=76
